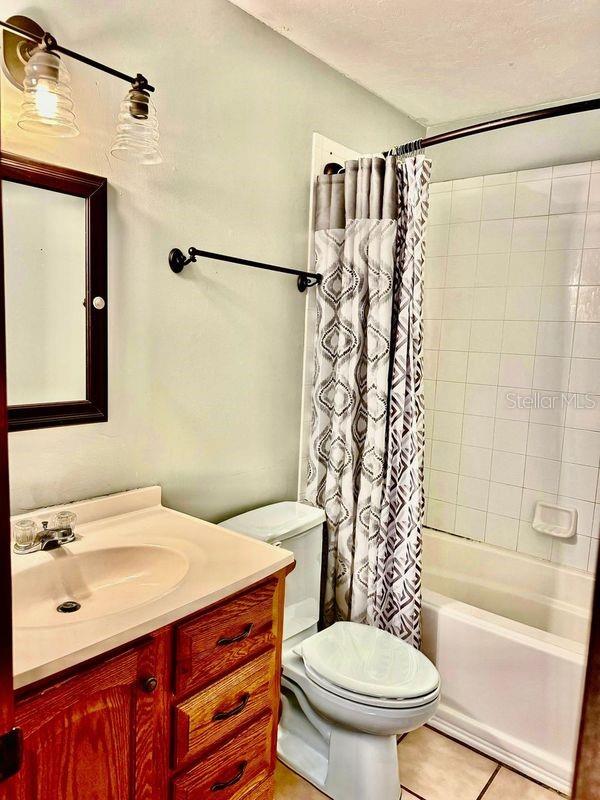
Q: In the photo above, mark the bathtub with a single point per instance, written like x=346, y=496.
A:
x=508, y=634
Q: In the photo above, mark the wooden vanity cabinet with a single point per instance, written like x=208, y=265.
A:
x=187, y=713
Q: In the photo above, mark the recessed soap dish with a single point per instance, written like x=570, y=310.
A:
x=555, y=520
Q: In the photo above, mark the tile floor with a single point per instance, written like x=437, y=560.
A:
x=434, y=767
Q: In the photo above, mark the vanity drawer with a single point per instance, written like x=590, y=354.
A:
x=220, y=640
x=221, y=708
x=235, y=771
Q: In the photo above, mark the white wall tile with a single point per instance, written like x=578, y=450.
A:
x=486, y=336
x=529, y=233
x=516, y=370
x=473, y=492
x=440, y=186
x=507, y=468
x=443, y=486
x=562, y=267
x=513, y=402
x=489, y=303
x=492, y=269
x=542, y=173
x=475, y=462
x=463, y=238
x=433, y=303
x=581, y=447
x=551, y=373
x=495, y=236
x=585, y=376
x=542, y=474
x=434, y=272
x=510, y=435
x=554, y=338
x=441, y=515
x=584, y=413
x=430, y=359
x=565, y=231
x=498, y=201
x=458, y=303
x=470, y=523
x=448, y=426
x=570, y=194
x=590, y=267
x=454, y=334
x=530, y=499
x=467, y=183
x=501, y=531
x=578, y=481
x=558, y=303
x=452, y=365
x=483, y=368
x=592, y=230
x=439, y=208
x=548, y=407
x=499, y=178
x=532, y=198
x=480, y=400
x=526, y=269
x=572, y=552
x=437, y=240
x=445, y=456
x=431, y=332
x=523, y=303
x=593, y=559
x=585, y=513
x=594, y=198
x=581, y=168
x=449, y=396
x=519, y=337
x=533, y=543
x=545, y=441
x=504, y=499
x=466, y=205
x=478, y=431
x=588, y=304
x=460, y=270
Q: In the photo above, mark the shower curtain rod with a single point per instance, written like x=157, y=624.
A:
x=496, y=124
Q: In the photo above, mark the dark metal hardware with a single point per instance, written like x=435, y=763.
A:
x=221, y=715
x=11, y=753
x=496, y=124
x=149, y=684
x=177, y=261
x=225, y=640
x=50, y=43
x=219, y=786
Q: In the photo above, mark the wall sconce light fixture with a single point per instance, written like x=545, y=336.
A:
x=32, y=62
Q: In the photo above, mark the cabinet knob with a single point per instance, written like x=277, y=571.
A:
x=149, y=684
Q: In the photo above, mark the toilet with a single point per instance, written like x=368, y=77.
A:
x=349, y=690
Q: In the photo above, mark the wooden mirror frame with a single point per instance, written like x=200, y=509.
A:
x=93, y=189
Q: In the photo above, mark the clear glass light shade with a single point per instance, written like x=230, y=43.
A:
x=137, y=130
x=47, y=106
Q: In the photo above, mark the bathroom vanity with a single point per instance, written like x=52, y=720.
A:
x=175, y=695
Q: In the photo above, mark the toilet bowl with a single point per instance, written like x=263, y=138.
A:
x=349, y=690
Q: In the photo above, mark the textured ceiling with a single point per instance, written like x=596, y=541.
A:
x=442, y=60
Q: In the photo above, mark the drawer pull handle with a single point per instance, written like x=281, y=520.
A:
x=225, y=640
x=221, y=715
x=220, y=786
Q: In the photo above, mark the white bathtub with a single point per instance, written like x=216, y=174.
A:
x=508, y=634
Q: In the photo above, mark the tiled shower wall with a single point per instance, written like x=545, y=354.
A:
x=512, y=358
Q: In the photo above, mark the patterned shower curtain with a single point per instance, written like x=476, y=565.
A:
x=367, y=423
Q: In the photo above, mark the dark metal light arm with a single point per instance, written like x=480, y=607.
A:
x=50, y=42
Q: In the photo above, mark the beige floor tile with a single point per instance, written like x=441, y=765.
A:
x=289, y=786
x=436, y=768
x=507, y=785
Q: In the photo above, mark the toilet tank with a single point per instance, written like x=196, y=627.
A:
x=298, y=528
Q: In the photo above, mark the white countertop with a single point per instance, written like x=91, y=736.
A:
x=220, y=563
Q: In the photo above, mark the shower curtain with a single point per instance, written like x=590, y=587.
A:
x=367, y=418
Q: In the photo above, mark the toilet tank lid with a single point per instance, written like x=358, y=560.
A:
x=276, y=522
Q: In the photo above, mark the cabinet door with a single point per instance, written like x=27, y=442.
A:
x=101, y=734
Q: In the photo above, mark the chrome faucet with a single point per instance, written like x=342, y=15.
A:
x=63, y=532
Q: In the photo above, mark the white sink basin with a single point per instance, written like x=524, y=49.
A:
x=103, y=581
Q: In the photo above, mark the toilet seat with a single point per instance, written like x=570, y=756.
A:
x=395, y=703
x=368, y=665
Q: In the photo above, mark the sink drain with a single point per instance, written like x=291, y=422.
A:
x=68, y=607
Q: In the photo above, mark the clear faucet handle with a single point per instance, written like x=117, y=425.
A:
x=65, y=519
x=24, y=533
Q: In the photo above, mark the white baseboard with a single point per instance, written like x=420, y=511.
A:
x=534, y=763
